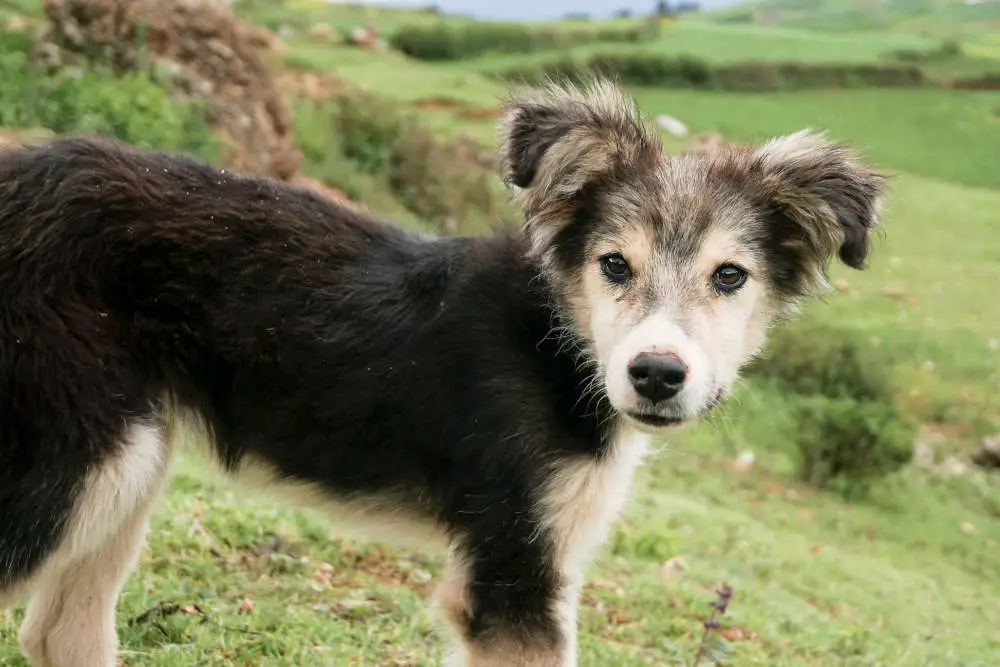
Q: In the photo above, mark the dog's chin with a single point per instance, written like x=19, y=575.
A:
x=655, y=421
x=647, y=421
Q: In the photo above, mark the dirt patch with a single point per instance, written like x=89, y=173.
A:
x=331, y=193
x=458, y=106
x=21, y=136
x=312, y=85
x=438, y=103
x=211, y=54
x=481, y=112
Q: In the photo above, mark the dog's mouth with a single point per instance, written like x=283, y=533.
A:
x=656, y=421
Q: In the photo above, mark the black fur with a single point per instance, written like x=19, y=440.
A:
x=344, y=350
x=534, y=131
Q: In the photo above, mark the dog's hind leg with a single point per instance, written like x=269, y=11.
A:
x=70, y=620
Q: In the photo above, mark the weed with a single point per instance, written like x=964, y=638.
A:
x=91, y=99
x=440, y=182
x=723, y=595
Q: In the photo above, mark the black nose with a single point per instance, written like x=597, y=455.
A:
x=657, y=376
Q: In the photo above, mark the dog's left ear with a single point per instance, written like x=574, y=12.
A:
x=822, y=201
x=557, y=139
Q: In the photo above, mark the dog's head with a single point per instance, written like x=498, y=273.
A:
x=670, y=268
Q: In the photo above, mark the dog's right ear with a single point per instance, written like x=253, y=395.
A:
x=555, y=139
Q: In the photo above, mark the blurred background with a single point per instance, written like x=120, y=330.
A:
x=848, y=493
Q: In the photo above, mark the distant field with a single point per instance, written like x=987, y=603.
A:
x=928, y=16
x=725, y=43
x=949, y=135
x=954, y=136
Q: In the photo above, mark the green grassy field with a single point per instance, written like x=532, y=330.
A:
x=908, y=577
x=728, y=43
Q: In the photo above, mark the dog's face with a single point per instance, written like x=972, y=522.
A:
x=671, y=268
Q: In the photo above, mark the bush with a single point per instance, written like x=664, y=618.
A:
x=846, y=444
x=947, y=49
x=456, y=41
x=651, y=69
x=985, y=81
x=809, y=359
x=131, y=107
x=850, y=430
x=437, y=181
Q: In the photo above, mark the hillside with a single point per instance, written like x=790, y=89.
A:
x=939, y=17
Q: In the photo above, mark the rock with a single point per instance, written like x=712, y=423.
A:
x=923, y=454
x=364, y=37
x=216, y=56
x=953, y=467
x=988, y=454
x=671, y=125
x=672, y=568
x=322, y=32
x=744, y=461
x=895, y=291
x=16, y=23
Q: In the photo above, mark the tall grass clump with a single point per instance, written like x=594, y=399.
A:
x=375, y=149
x=850, y=430
x=132, y=107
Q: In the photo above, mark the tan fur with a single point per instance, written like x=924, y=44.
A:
x=70, y=620
x=380, y=517
x=584, y=499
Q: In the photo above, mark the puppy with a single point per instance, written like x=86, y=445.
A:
x=494, y=393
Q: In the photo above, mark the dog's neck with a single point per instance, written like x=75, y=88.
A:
x=542, y=317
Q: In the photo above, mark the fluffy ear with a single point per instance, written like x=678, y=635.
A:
x=822, y=201
x=555, y=139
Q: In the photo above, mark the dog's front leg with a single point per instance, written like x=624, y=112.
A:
x=509, y=604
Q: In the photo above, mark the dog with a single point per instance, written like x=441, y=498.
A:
x=494, y=393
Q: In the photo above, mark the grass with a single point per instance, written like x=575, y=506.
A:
x=945, y=135
x=926, y=16
x=908, y=577
x=731, y=43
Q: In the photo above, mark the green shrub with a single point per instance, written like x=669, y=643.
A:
x=456, y=41
x=849, y=428
x=811, y=359
x=651, y=69
x=846, y=444
x=439, y=182
x=947, y=49
x=985, y=81
x=91, y=99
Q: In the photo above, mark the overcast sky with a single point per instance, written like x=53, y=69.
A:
x=542, y=9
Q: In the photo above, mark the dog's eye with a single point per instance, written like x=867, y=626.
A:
x=615, y=267
x=729, y=278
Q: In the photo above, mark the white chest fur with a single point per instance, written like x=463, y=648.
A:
x=583, y=500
